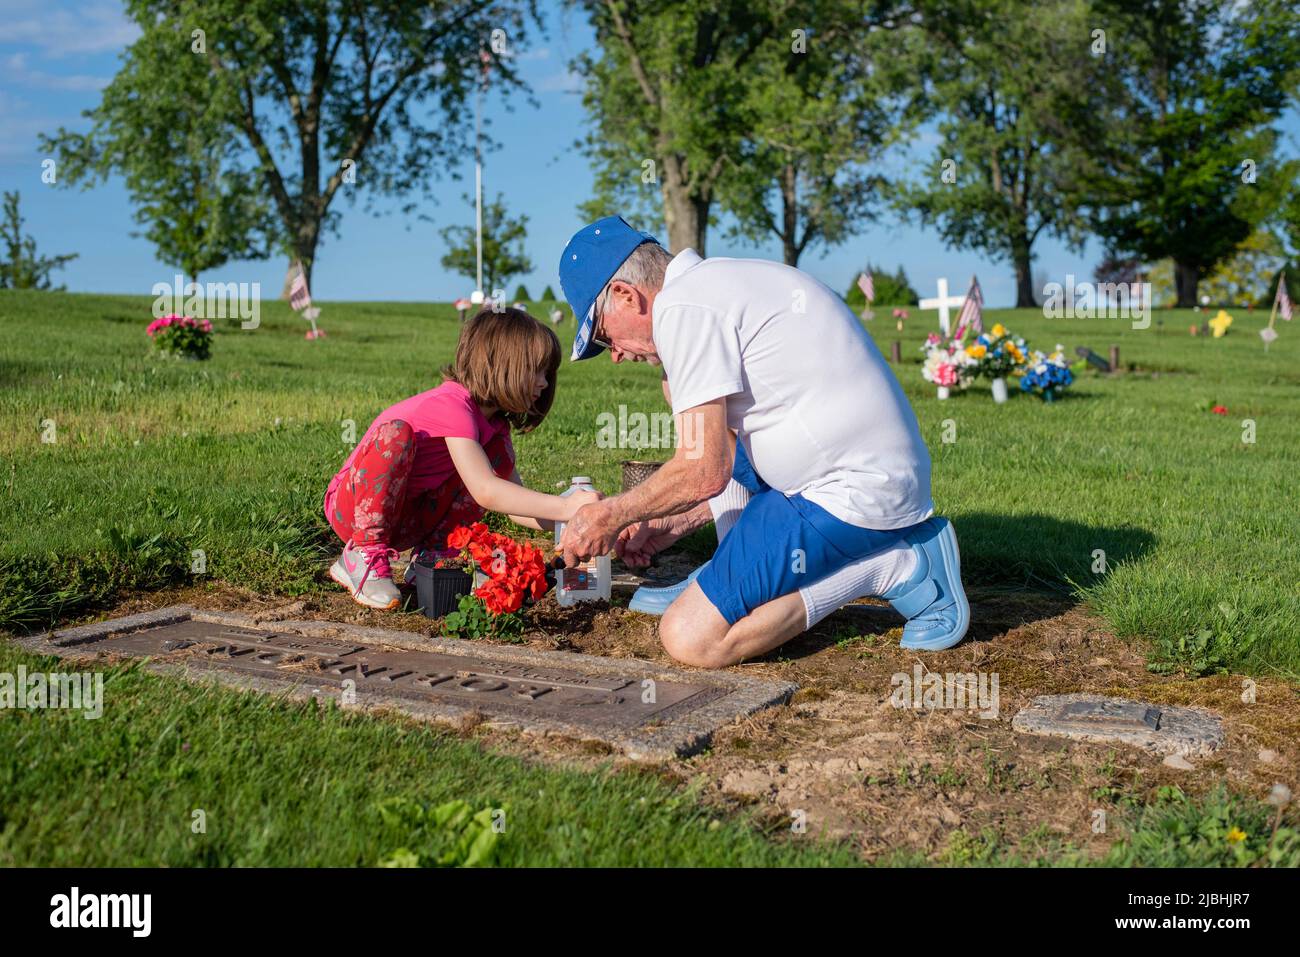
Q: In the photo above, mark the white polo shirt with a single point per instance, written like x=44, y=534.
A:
x=816, y=405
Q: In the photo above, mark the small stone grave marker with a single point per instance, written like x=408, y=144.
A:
x=1161, y=729
x=1094, y=360
x=647, y=710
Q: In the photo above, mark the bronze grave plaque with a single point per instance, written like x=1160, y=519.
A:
x=646, y=709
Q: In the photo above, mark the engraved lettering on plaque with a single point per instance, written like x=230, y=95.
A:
x=480, y=683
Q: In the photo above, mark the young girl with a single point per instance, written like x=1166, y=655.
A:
x=439, y=459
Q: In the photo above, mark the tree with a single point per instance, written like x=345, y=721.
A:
x=891, y=290
x=1181, y=161
x=521, y=294
x=1002, y=175
x=503, y=247
x=821, y=106
x=22, y=268
x=331, y=93
x=1288, y=228
x=1289, y=211
x=548, y=295
x=202, y=207
x=664, y=101
x=1246, y=277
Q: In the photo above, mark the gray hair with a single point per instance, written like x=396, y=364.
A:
x=644, y=268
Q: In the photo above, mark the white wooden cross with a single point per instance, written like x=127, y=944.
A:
x=942, y=302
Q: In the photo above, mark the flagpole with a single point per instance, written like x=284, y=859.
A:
x=478, y=190
x=1272, y=313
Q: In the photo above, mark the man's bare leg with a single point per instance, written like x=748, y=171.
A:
x=693, y=630
x=695, y=633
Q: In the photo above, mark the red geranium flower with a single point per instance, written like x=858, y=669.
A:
x=515, y=570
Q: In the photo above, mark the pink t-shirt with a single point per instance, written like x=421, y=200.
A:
x=445, y=412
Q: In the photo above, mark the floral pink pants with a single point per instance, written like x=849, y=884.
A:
x=371, y=505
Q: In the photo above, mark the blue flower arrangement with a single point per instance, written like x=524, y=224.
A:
x=1046, y=375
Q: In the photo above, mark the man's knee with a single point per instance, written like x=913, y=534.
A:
x=678, y=638
x=694, y=632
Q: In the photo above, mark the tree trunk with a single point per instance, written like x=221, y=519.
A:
x=1186, y=279
x=688, y=221
x=685, y=212
x=303, y=255
x=1020, y=257
x=290, y=271
x=790, y=215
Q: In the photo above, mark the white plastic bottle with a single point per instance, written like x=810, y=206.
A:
x=590, y=580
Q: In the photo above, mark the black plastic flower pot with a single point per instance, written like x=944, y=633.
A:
x=439, y=590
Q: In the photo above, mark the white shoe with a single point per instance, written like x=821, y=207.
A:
x=365, y=573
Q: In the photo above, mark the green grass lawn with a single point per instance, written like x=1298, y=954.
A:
x=152, y=460
x=178, y=774
x=282, y=784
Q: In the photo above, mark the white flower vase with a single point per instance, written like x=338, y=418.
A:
x=999, y=390
x=943, y=392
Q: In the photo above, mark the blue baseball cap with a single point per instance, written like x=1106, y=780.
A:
x=589, y=261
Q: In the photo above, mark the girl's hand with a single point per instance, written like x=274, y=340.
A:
x=578, y=499
x=639, y=542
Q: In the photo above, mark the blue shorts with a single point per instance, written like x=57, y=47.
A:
x=779, y=544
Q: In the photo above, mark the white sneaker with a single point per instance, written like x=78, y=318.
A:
x=364, y=571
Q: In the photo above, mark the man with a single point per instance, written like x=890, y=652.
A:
x=795, y=439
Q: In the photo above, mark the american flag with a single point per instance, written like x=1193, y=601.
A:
x=1283, y=299
x=972, y=310
x=299, y=296
x=868, y=286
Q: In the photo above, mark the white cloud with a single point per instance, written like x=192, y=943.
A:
x=16, y=70
x=563, y=82
x=97, y=27
x=20, y=141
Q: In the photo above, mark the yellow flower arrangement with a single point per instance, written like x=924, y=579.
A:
x=976, y=350
x=998, y=331
x=1220, y=324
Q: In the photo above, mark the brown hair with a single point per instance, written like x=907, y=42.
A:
x=496, y=358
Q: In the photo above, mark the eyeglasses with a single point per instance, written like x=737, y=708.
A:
x=598, y=337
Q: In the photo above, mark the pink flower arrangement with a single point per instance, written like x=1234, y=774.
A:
x=945, y=374
x=166, y=322
x=181, y=336
x=900, y=313
x=946, y=364
x=315, y=333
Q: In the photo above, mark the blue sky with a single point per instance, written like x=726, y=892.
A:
x=55, y=56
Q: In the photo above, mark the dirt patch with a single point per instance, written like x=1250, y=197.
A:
x=842, y=761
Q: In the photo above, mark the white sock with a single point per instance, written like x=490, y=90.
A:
x=873, y=575
x=727, y=506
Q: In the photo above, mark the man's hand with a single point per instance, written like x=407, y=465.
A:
x=577, y=500
x=640, y=541
x=591, y=531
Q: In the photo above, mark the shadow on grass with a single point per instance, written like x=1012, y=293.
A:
x=1017, y=570
x=1043, y=552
